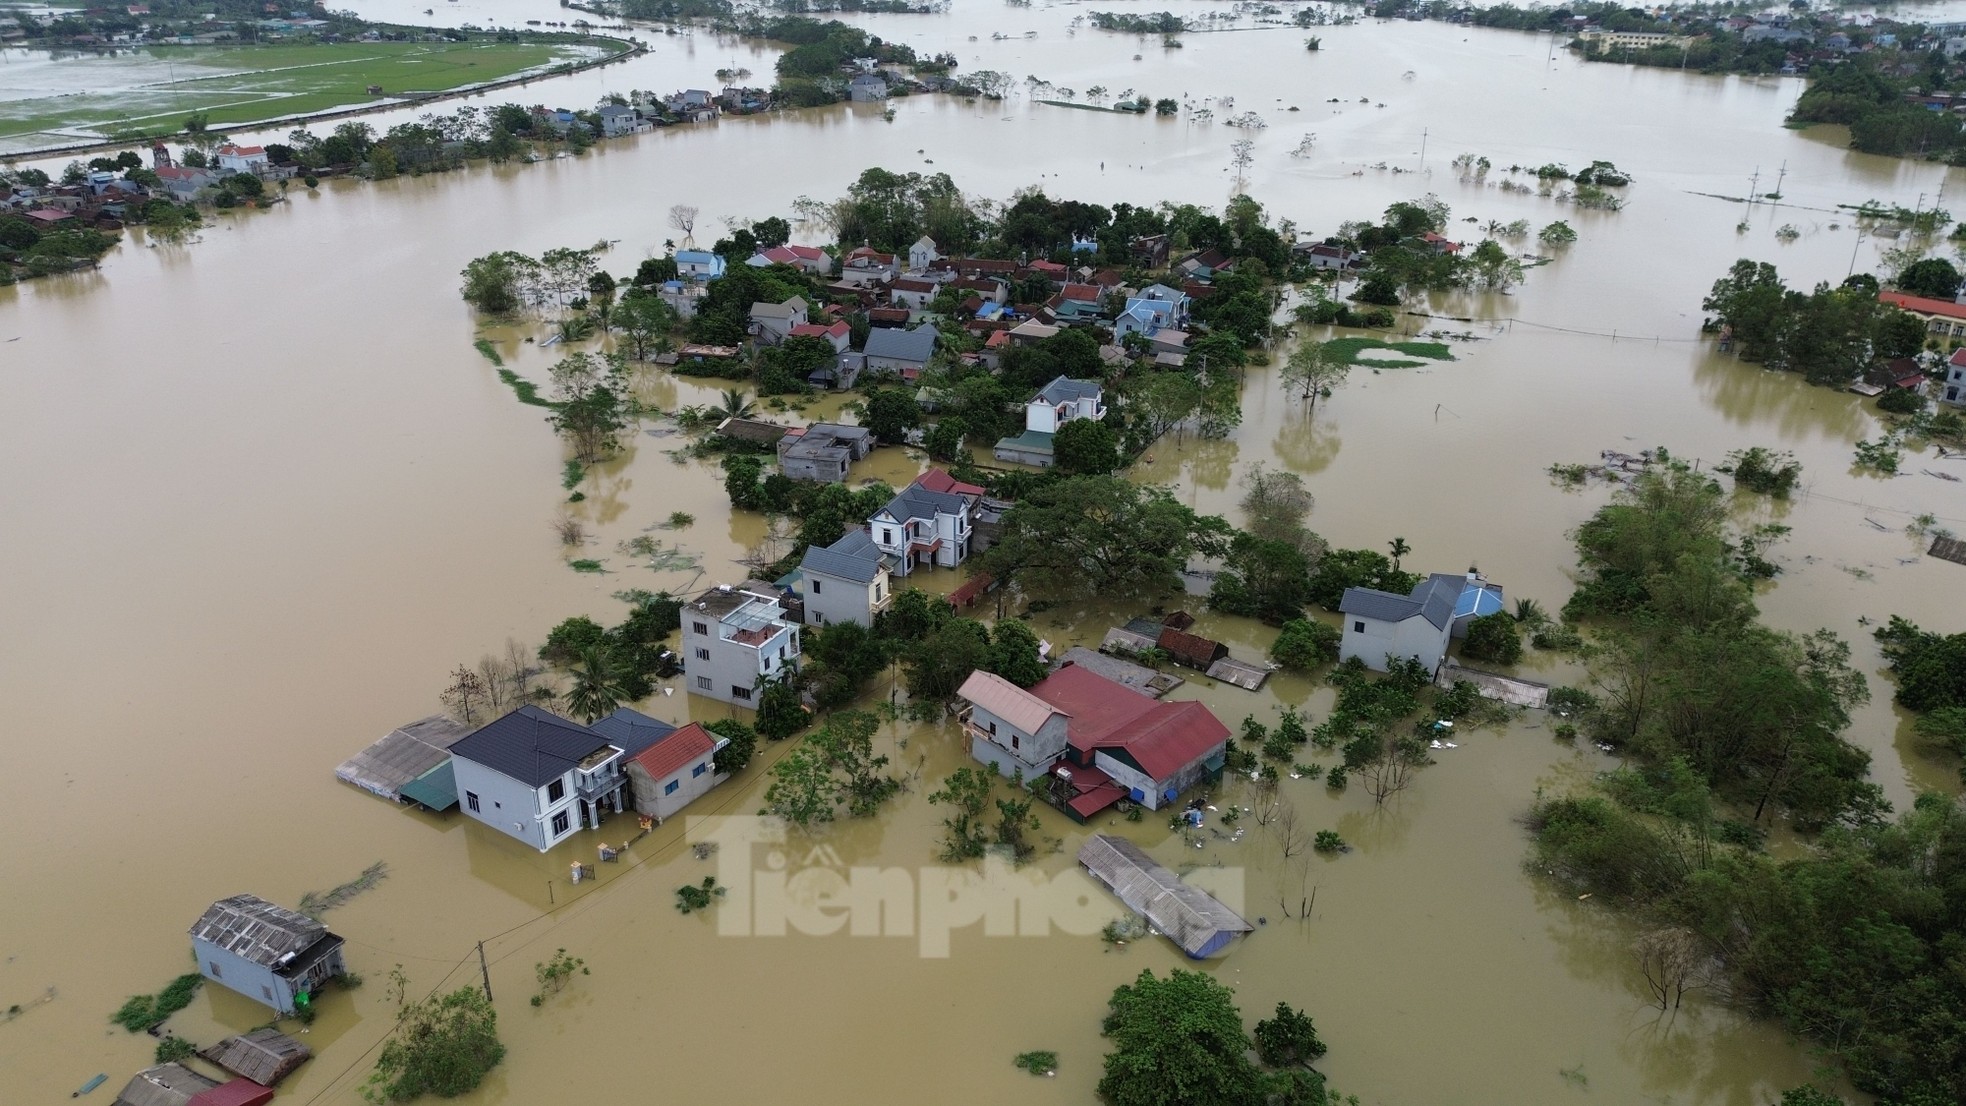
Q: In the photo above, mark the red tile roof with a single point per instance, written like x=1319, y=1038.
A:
x=1919, y=305
x=241, y=151
x=1089, y=293
x=914, y=286
x=238, y=1092
x=1160, y=737
x=1958, y=357
x=997, y=340
x=814, y=330
x=48, y=214
x=936, y=480
x=674, y=753
x=1190, y=649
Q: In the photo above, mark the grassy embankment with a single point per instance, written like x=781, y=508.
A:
x=244, y=84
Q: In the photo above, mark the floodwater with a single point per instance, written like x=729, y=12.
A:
x=261, y=494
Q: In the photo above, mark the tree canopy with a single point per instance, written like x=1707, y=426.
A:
x=1102, y=535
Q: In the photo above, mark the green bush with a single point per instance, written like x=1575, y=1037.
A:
x=1495, y=637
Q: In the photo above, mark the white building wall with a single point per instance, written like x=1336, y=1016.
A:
x=1376, y=642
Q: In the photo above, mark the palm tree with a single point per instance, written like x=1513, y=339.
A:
x=735, y=406
x=596, y=688
x=1400, y=549
x=1530, y=612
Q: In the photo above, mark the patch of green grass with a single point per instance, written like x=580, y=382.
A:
x=586, y=565
x=528, y=392
x=572, y=474
x=141, y=1012
x=1347, y=351
x=484, y=346
x=244, y=84
x=1042, y=1062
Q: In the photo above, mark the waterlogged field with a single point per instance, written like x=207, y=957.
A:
x=56, y=101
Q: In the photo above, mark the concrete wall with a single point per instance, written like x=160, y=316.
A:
x=504, y=803
x=1378, y=642
x=1035, y=753
x=731, y=669
x=830, y=599
x=652, y=796
x=236, y=973
x=813, y=470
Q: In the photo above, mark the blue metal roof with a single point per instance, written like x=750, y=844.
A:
x=1478, y=599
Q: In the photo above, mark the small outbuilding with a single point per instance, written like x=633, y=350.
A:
x=1186, y=915
x=163, y=1085
x=265, y=952
x=264, y=1056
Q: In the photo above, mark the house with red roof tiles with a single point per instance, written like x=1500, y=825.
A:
x=670, y=774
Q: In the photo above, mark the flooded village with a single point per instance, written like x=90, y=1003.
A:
x=327, y=664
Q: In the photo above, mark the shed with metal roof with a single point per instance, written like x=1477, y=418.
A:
x=1190, y=917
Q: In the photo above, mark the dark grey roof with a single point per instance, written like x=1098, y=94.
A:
x=1189, y=916
x=817, y=447
x=630, y=730
x=1432, y=599
x=1064, y=388
x=839, y=430
x=163, y=1085
x=918, y=502
x=902, y=345
x=264, y=1056
x=530, y=745
x=613, y=110
x=854, y=557
x=256, y=930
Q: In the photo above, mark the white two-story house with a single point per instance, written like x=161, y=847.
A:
x=734, y=637
x=924, y=526
x=1056, y=404
x=1010, y=729
x=1954, y=389
x=772, y=323
x=538, y=777
x=846, y=581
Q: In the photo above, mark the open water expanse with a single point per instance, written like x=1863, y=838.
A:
x=259, y=494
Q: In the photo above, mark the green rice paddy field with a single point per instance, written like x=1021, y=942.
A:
x=153, y=92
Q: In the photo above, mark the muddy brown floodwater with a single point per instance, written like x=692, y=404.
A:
x=260, y=494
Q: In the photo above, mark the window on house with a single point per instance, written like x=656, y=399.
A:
x=878, y=589
x=471, y=801
x=699, y=770
x=815, y=587
x=887, y=536
x=1013, y=741
x=698, y=628
x=703, y=683
x=743, y=693
x=702, y=654
x=1358, y=627
x=561, y=822
x=213, y=966
x=556, y=791
x=267, y=991
x=670, y=787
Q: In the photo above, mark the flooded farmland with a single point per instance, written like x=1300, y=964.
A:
x=260, y=494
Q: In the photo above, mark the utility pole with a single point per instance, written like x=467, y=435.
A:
x=1754, y=183
x=1423, y=147
x=485, y=969
x=1783, y=176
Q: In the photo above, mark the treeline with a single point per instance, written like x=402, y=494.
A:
x=1715, y=51
x=1730, y=727
x=1830, y=335
x=1152, y=23
x=1930, y=670
x=1872, y=104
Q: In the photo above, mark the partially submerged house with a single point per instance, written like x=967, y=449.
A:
x=846, y=581
x=265, y=952
x=538, y=777
x=1056, y=404
x=163, y=1085
x=736, y=637
x=404, y=755
x=1954, y=390
x=264, y=1056
x=823, y=452
x=675, y=770
x=1103, y=741
x=903, y=352
x=1381, y=627
x=1190, y=917
x=926, y=526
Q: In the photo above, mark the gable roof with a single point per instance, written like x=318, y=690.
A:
x=814, y=330
x=630, y=730
x=935, y=480
x=1007, y=701
x=1088, y=293
x=1064, y=389
x=233, y=1092
x=902, y=345
x=1189, y=916
x=794, y=306
x=264, y=1056
x=1160, y=737
x=675, y=751
x=530, y=745
x=854, y=557
x=253, y=929
x=915, y=501
x=1922, y=305
x=163, y=1085
x=1432, y=599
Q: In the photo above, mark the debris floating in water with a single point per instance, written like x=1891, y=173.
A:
x=90, y=1085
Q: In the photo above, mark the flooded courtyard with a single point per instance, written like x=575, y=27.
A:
x=261, y=494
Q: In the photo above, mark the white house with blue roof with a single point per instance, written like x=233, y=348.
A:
x=541, y=778
x=1056, y=404
x=846, y=581
x=699, y=265
x=1382, y=626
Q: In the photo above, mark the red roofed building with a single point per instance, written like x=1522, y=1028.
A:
x=1050, y=270
x=240, y=159
x=47, y=216
x=1101, y=740
x=1440, y=243
x=1941, y=316
x=812, y=259
x=840, y=334
x=238, y=1092
x=671, y=773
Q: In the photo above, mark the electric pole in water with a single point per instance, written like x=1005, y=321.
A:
x=485, y=969
x=1754, y=182
x=1423, y=147
x=1781, y=177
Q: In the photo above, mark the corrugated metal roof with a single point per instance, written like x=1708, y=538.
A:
x=402, y=755
x=235, y=1092
x=163, y=1085
x=256, y=930
x=264, y=1056
x=1188, y=916
x=436, y=789
x=1007, y=701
